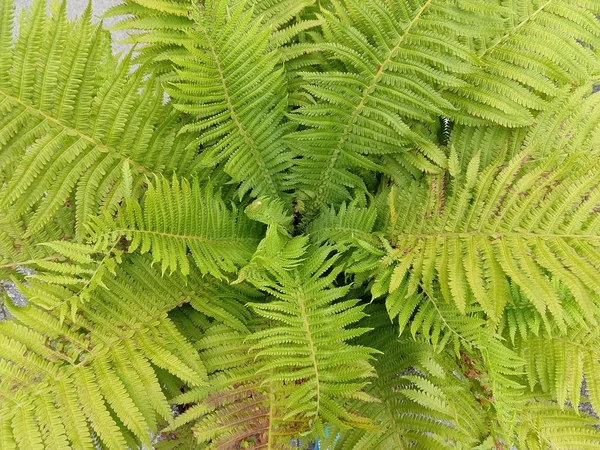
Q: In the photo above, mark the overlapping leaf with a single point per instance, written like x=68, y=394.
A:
x=77, y=128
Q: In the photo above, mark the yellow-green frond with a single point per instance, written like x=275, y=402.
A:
x=71, y=118
x=178, y=217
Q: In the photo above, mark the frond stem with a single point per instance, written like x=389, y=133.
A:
x=516, y=28
x=313, y=354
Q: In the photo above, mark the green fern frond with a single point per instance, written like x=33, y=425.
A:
x=533, y=222
x=494, y=144
x=306, y=343
x=20, y=251
x=178, y=217
x=558, y=364
x=346, y=225
x=544, y=46
x=437, y=322
x=228, y=81
x=397, y=57
x=96, y=370
x=238, y=407
x=161, y=27
x=71, y=118
x=76, y=267
x=277, y=251
x=352, y=230
x=570, y=124
x=425, y=403
x=521, y=320
x=544, y=425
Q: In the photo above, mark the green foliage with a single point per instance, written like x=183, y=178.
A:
x=74, y=120
x=372, y=222
x=96, y=369
x=177, y=217
x=533, y=223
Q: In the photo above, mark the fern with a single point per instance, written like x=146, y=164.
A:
x=416, y=385
x=177, y=217
x=75, y=122
x=102, y=358
x=369, y=223
x=224, y=89
x=306, y=343
x=518, y=72
x=162, y=27
x=486, y=232
x=240, y=407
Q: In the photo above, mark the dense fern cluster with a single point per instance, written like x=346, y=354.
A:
x=370, y=222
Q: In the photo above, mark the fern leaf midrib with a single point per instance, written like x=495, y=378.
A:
x=74, y=131
x=273, y=190
x=516, y=28
x=228, y=240
x=367, y=91
x=311, y=344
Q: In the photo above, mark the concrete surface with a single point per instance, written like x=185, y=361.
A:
x=76, y=7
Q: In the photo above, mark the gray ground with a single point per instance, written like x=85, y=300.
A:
x=76, y=7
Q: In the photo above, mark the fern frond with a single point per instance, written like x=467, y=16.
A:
x=437, y=322
x=18, y=251
x=544, y=46
x=346, y=225
x=533, y=222
x=397, y=57
x=177, y=217
x=96, y=369
x=559, y=364
x=227, y=80
x=77, y=267
x=277, y=251
x=544, y=425
x=71, y=119
x=494, y=144
x=570, y=124
x=351, y=230
x=425, y=403
x=161, y=28
x=521, y=320
x=238, y=407
x=306, y=343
